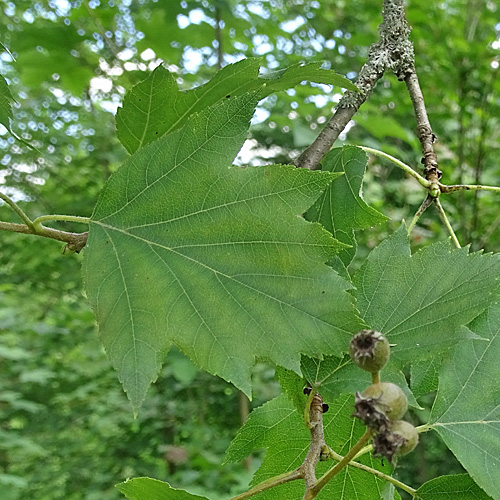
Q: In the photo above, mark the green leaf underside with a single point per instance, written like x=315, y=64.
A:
x=341, y=208
x=457, y=487
x=421, y=301
x=466, y=412
x=145, y=488
x=333, y=376
x=279, y=427
x=6, y=101
x=185, y=249
x=156, y=106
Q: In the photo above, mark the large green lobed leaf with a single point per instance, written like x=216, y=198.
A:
x=156, y=106
x=421, y=301
x=466, y=412
x=185, y=249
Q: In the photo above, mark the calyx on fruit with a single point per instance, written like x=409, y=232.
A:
x=399, y=439
x=379, y=404
x=370, y=350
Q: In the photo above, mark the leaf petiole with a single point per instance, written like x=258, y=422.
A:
x=18, y=210
x=375, y=472
x=422, y=180
x=446, y=222
x=37, y=223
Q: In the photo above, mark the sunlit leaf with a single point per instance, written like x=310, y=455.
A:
x=156, y=106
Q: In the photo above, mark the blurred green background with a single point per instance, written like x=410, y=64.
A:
x=66, y=428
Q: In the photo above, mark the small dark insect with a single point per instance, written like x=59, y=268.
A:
x=307, y=390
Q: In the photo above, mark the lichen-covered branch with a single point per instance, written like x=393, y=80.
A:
x=393, y=51
x=424, y=130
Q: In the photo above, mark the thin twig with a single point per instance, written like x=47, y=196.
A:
x=390, y=52
x=446, y=222
x=424, y=182
x=218, y=36
x=424, y=130
x=19, y=211
x=317, y=446
x=467, y=187
x=74, y=241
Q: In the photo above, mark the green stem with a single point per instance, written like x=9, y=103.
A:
x=420, y=211
x=376, y=378
x=37, y=223
x=270, y=483
x=18, y=210
x=375, y=472
x=329, y=475
x=446, y=222
x=467, y=187
x=422, y=180
x=424, y=428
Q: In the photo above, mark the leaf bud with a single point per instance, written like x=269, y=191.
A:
x=370, y=350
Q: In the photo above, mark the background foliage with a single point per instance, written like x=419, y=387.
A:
x=66, y=427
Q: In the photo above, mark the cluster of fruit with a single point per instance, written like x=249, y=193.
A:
x=381, y=405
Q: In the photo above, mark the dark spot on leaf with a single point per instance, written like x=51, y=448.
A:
x=156, y=133
x=228, y=96
x=325, y=407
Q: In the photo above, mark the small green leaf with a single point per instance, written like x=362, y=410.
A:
x=466, y=412
x=457, y=487
x=279, y=427
x=341, y=209
x=419, y=302
x=185, y=249
x=145, y=488
x=6, y=101
x=312, y=72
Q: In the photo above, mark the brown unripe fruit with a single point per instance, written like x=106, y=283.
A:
x=369, y=350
